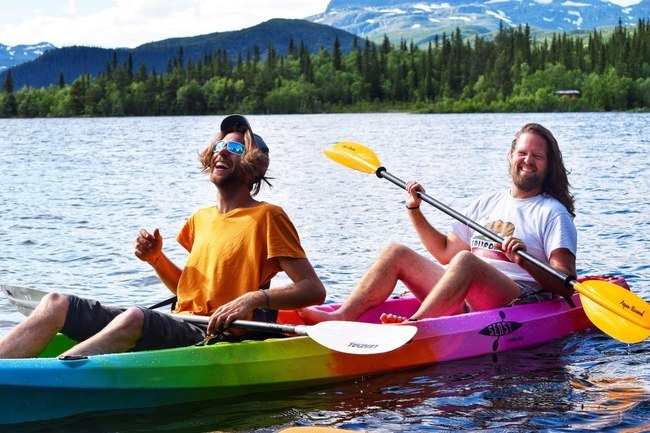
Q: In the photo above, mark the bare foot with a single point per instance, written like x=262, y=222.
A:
x=312, y=315
x=392, y=318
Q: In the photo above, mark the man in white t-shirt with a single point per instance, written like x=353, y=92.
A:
x=473, y=273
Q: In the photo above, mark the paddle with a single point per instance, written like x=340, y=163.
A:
x=26, y=299
x=358, y=338
x=615, y=310
x=348, y=337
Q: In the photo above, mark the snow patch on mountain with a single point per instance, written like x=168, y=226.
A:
x=575, y=4
x=578, y=21
x=500, y=15
x=425, y=19
x=15, y=55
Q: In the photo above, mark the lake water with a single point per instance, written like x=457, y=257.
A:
x=75, y=192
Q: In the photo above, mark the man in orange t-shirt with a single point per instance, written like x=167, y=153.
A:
x=235, y=248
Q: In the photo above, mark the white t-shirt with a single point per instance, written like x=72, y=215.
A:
x=541, y=222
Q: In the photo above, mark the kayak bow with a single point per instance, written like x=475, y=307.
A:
x=49, y=387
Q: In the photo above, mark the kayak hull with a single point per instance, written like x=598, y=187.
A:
x=49, y=387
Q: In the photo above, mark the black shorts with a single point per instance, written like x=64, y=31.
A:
x=86, y=317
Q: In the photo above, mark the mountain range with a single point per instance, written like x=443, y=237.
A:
x=419, y=21
x=412, y=21
x=71, y=62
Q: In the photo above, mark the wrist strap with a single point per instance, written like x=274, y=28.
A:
x=268, y=298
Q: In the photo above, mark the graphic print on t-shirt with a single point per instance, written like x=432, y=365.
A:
x=481, y=246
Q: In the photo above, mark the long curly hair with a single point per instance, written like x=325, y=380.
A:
x=556, y=182
x=254, y=162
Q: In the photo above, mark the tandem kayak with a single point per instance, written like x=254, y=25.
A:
x=49, y=387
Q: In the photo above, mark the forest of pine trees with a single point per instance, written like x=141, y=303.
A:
x=510, y=72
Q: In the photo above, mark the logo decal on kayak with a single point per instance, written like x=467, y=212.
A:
x=499, y=329
x=362, y=345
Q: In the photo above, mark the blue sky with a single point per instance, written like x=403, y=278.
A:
x=129, y=23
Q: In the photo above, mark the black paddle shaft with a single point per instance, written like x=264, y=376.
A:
x=569, y=281
x=248, y=324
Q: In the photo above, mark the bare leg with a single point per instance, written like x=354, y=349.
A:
x=468, y=278
x=121, y=335
x=30, y=337
x=395, y=263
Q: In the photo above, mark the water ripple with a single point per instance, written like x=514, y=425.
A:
x=72, y=227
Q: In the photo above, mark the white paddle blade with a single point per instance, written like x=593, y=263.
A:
x=25, y=299
x=360, y=338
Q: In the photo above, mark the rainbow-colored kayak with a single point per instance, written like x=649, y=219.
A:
x=49, y=387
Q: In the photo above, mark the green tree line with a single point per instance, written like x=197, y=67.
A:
x=509, y=72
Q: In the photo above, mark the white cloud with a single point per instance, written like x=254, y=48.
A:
x=70, y=8
x=128, y=23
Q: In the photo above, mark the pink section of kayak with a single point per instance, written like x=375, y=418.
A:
x=466, y=335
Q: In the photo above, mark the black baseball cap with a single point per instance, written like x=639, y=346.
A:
x=238, y=123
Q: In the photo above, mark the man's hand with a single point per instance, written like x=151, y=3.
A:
x=510, y=246
x=413, y=200
x=148, y=247
x=236, y=309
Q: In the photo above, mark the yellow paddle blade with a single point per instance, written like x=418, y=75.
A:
x=613, y=325
x=616, y=311
x=354, y=155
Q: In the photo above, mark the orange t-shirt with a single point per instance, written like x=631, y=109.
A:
x=232, y=253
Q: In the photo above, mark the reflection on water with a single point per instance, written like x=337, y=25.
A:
x=76, y=191
x=609, y=399
x=540, y=389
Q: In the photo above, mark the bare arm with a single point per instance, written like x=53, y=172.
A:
x=148, y=248
x=561, y=259
x=442, y=247
x=306, y=289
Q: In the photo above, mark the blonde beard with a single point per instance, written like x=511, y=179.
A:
x=233, y=181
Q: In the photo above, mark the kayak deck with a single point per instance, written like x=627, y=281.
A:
x=48, y=387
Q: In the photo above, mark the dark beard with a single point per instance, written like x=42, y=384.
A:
x=528, y=183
